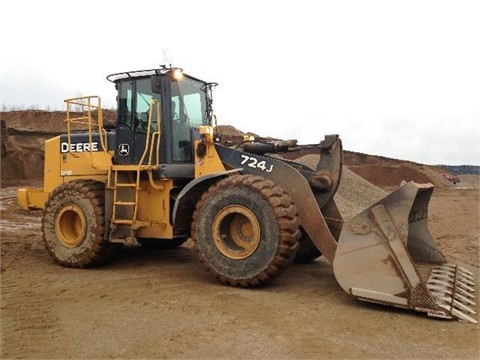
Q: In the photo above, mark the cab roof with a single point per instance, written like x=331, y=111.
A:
x=145, y=73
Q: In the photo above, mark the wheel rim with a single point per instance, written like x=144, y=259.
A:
x=70, y=226
x=236, y=232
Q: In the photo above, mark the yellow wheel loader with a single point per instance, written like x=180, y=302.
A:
x=161, y=176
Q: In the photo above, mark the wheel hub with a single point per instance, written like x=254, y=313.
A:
x=236, y=232
x=71, y=226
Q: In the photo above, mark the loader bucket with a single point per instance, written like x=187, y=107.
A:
x=387, y=255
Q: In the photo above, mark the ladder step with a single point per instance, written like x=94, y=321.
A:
x=131, y=196
x=133, y=185
x=126, y=203
x=122, y=221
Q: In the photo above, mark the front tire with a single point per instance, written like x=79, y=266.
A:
x=73, y=224
x=245, y=230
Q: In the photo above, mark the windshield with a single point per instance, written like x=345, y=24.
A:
x=189, y=102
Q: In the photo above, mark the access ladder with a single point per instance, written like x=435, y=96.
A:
x=124, y=180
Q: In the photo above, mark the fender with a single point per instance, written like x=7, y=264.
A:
x=200, y=182
x=295, y=180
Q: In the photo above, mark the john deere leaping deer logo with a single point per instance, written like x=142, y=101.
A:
x=123, y=149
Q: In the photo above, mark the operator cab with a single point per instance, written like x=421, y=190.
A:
x=178, y=102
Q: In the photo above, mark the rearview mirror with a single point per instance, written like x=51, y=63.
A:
x=156, y=82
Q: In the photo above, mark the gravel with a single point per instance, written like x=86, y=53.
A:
x=354, y=195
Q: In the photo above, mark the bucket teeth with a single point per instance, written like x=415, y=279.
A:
x=464, y=293
x=467, y=279
x=448, y=282
x=459, y=305
x=463, y=286
x=463, y=299
x=453, y=287
x=437, y=293
x=456, y=268
x=461, y=316
x=434, y=288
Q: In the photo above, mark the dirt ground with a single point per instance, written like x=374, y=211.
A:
x=157, y=305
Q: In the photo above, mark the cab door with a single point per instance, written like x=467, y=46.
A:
x=135, y=97
x=125, y=127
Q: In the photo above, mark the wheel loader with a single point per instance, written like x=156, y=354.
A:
x=161, y=175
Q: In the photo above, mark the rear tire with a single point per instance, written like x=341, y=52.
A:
x=245, y=230
x=73, y=224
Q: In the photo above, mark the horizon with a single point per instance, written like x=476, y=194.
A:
x=35, y=109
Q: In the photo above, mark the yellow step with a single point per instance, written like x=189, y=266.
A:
x=122, y=221
x=133, y=185
x=129, y=203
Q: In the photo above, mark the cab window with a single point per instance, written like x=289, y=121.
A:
x=143, y=100
x=188, y=103
x=125, y=100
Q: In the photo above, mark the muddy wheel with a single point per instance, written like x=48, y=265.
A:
x=245, y=230
x=73, y=224
x=307, y=251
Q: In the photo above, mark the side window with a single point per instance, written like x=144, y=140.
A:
x=144, y=96
x=182, y=145
x=189, y=110
x=125, y=103
x=193, y=107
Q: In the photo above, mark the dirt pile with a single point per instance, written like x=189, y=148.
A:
x=23, y=138
x=355, y=194
x=387, y=172
x=24, y=134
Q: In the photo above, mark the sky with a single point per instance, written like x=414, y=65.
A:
x=399, y=79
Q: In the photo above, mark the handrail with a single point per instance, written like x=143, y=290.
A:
x=150, y=140
x=86, y=104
